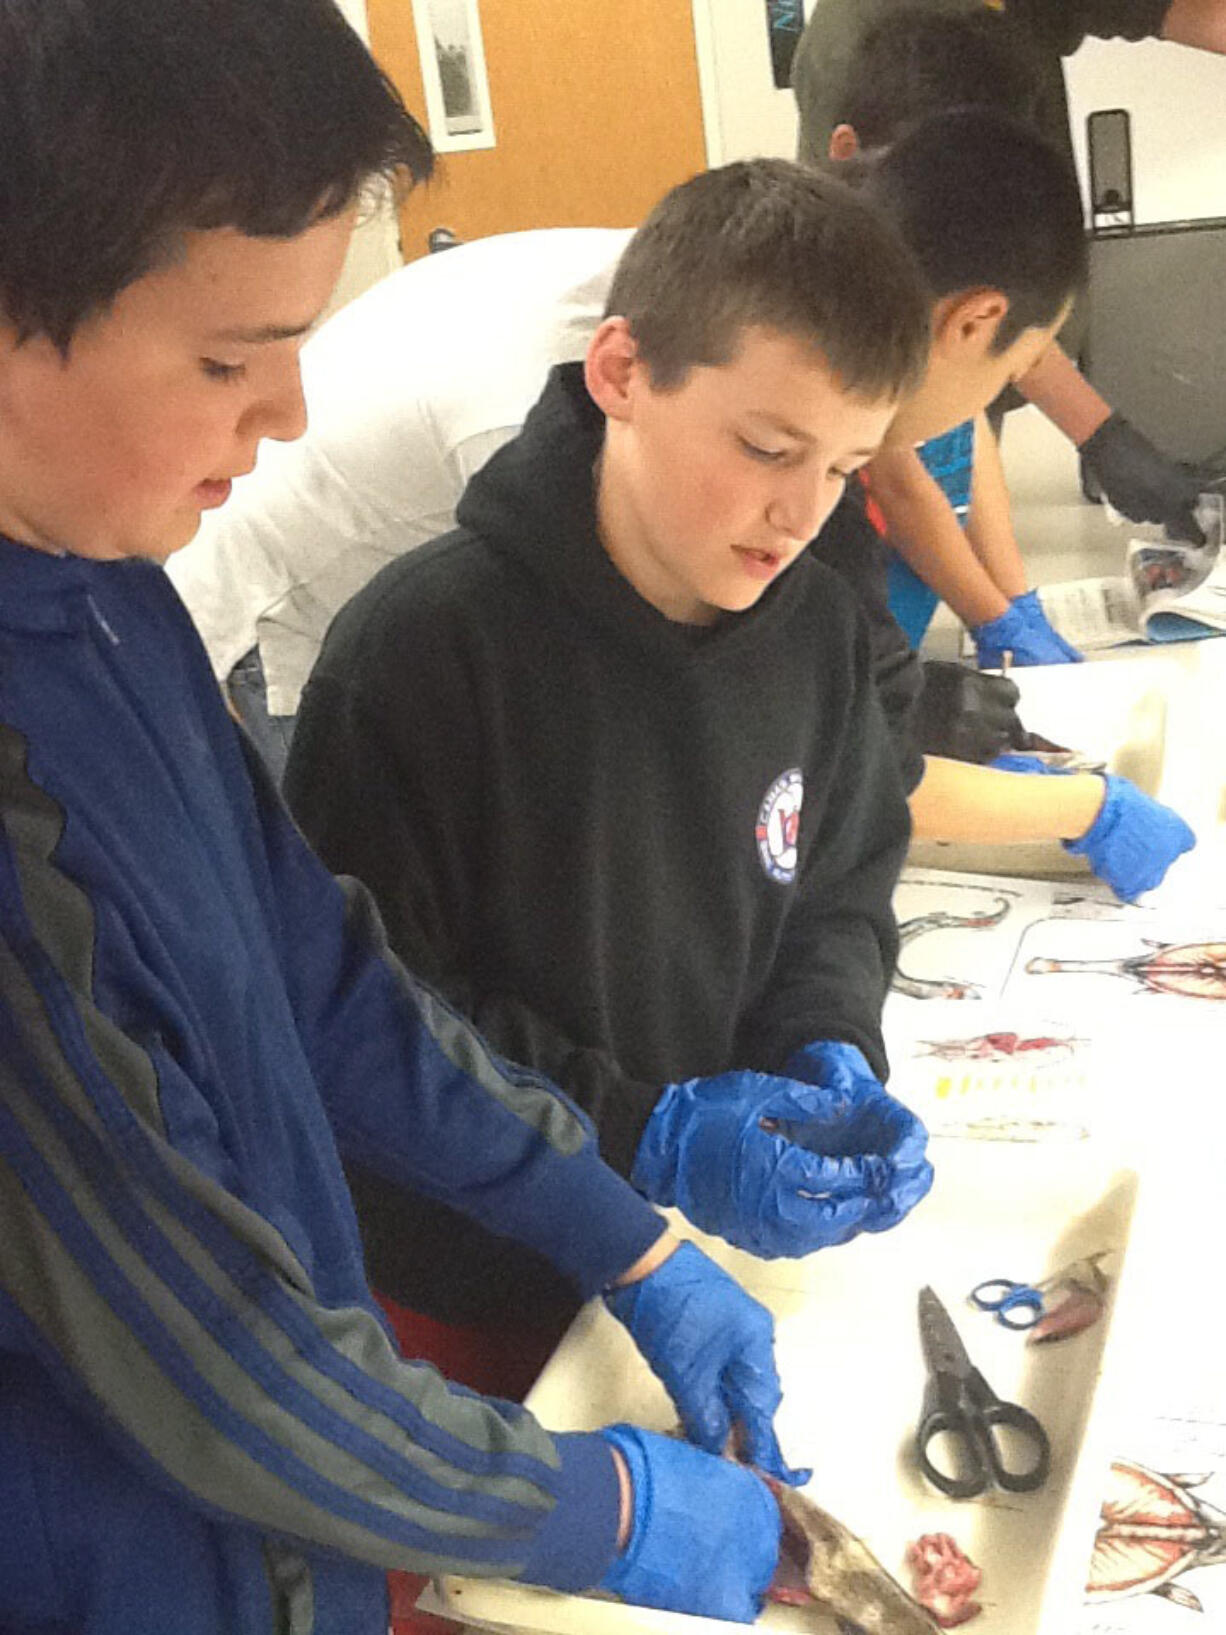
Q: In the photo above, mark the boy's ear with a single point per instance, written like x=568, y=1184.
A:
x=968, y=320
x=844, y=143
x=610, y=368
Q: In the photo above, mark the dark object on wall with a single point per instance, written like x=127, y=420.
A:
x=1155, y=344
x=785, y=22
x=1109, y=140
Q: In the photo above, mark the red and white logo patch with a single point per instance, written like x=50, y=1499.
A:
x=778, y=827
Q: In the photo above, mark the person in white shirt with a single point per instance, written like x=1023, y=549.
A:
x=410, y=388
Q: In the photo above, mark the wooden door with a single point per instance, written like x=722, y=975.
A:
x=596, y=111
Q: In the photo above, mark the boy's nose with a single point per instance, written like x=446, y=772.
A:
x=280, y=414
x=801, y=507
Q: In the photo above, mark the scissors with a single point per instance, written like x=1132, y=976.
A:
x=961, y=1407
x=1017, y=1305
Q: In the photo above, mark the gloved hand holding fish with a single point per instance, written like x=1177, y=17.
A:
x=785, y=1165
x=704, y=1537
x=703, y=1541
x=707, y=1537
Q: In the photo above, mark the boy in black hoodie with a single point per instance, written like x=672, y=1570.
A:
x=610, y=756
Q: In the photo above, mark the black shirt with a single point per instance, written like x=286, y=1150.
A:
x=633, y=851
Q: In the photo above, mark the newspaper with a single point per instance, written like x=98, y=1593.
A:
x=1171, y=591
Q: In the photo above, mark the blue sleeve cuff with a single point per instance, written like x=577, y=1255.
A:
x=610, y=1225
x=1105, y=820
x=575, y=1547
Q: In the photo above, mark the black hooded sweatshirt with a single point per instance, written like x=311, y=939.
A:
x=632, y=850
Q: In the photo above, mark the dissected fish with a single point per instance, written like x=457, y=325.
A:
x=1152, y=1530
x=1074, y=1299
x=944, y=1578
x=1072, y=1311
x=825, y=1559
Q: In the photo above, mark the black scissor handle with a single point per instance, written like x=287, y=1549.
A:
x=974, y=1473
x=1012, y=1416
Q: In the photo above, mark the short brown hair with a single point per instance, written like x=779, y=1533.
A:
x=767, y=243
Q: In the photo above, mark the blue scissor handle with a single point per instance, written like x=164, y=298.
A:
x=1017, y=1305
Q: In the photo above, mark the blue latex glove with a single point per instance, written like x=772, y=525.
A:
x=1022, y=630
x=713, y=1346
x=867, y=1125
x=1133, y=841
x=706, y=1532
x=714, y=1148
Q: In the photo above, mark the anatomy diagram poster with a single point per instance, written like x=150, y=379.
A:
x=1158, y=1564
x=1017, y=1005
x=1032, y=1011
x=1159, y=1556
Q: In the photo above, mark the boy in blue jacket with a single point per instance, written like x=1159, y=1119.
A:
x=204, y=1424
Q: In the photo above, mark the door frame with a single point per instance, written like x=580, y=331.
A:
x=741, y=118
x=708, y=80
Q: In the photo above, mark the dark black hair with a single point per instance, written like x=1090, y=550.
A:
x=984, y=202
x=768, y=243
x=918, y=62
x=125, y=123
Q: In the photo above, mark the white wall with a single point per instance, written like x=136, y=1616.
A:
x=375, y=250
x=1176, y=97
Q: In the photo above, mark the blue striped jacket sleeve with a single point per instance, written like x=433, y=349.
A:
x=186, y=1323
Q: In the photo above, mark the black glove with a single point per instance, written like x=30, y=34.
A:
x=1141, y=481
x=965, y=714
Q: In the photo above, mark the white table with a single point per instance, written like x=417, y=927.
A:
x=846, y=1327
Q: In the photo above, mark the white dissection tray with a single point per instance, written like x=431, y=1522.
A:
x=853, y=1379
x=1136, y=714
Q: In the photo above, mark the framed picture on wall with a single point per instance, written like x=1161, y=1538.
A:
x=453, y=71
